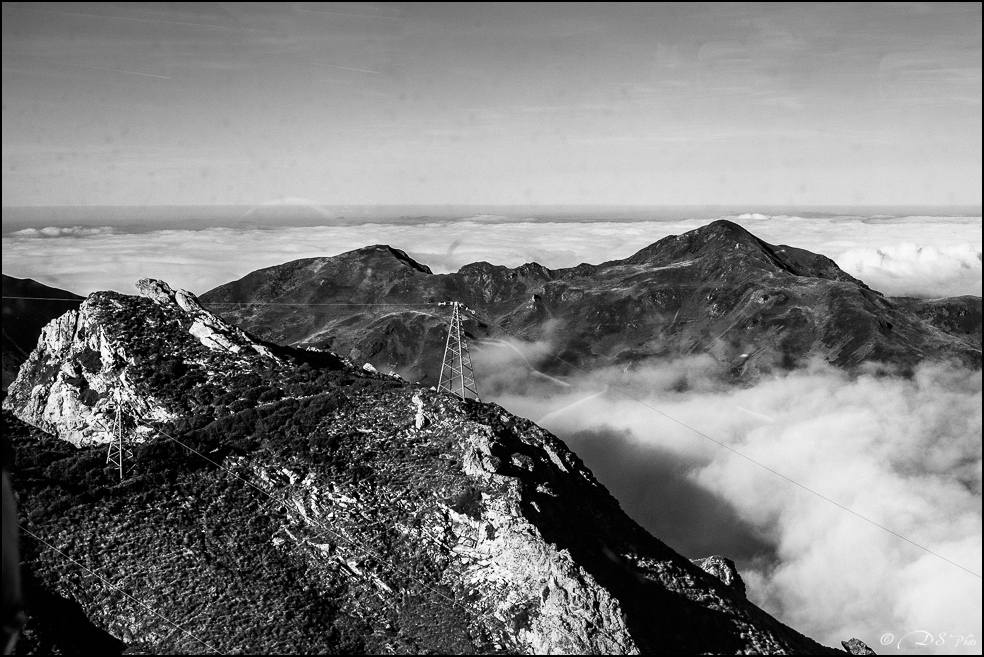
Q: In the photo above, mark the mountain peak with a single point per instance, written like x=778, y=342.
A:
x=727, y=246
x=718, y=239
x=386, y=251
x=724, y=228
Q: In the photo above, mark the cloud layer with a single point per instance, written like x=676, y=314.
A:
x=919, y=256
x=912, y=270
x=903, y=453
x=63, y=231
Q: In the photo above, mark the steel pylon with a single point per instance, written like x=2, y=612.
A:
x=457, y=375
x=119, y=453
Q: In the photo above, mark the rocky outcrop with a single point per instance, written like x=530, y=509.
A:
x=857, y=647
x=724, y=569
x=212, y=331
x=69, y=383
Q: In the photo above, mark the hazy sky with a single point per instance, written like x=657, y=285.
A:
x=228, y=103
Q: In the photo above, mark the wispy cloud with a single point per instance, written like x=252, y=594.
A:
x=118, y=17
x=114, y=70
x=375, y=16
x=346, y=68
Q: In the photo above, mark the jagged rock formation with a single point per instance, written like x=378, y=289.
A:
x=69, y=382
x=289, y=501
x=857, y=647
x=717, y=290
x=213, y=332
x=27, y=307
x=725, y=570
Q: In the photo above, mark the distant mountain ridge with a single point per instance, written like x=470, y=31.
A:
x=718, y=289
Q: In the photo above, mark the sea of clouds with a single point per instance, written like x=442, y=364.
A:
x=905, y=453
x=914, y=256
x=707, y=467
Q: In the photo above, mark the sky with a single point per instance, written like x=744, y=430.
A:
x=485, y=104
x=743, y=107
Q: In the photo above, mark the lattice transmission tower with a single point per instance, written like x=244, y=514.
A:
x=119, y=453
x=457, y=375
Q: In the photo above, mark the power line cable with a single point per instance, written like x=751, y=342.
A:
x=740, y=454
x=366, y=551
x=80, y=300
x=629, y=396
x=275, y=303
x=108, y=583
x=241, y=303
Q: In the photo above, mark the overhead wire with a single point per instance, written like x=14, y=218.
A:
x=632, y=397
x=738, y=453
x=79, y=300
x=366, y=551
x=114, y=586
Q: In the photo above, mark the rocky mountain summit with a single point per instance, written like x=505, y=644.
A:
x=66, y=382
x=284, y=500
x=716, y=290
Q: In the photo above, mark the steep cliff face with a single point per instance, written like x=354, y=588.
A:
x=717, y=290
x=287, y=501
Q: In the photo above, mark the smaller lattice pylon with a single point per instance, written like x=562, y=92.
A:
x=119, y=453
x=457, y=375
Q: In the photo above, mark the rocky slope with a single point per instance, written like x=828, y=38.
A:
x=283, y=500
x=23, y=318
x=717, y=290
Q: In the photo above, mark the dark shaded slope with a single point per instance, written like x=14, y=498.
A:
x=718, y=290
x=23, y=319
x=959, y=316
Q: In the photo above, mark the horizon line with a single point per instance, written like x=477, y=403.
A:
x=503, y=205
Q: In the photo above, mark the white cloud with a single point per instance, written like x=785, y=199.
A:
x=912, y=270
x=64, y=231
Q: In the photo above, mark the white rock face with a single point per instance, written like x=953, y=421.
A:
x=509, y=560
x=211, y=330
x=67, y=383
x=724, y=569
x=420, y=418
x=213, y=339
